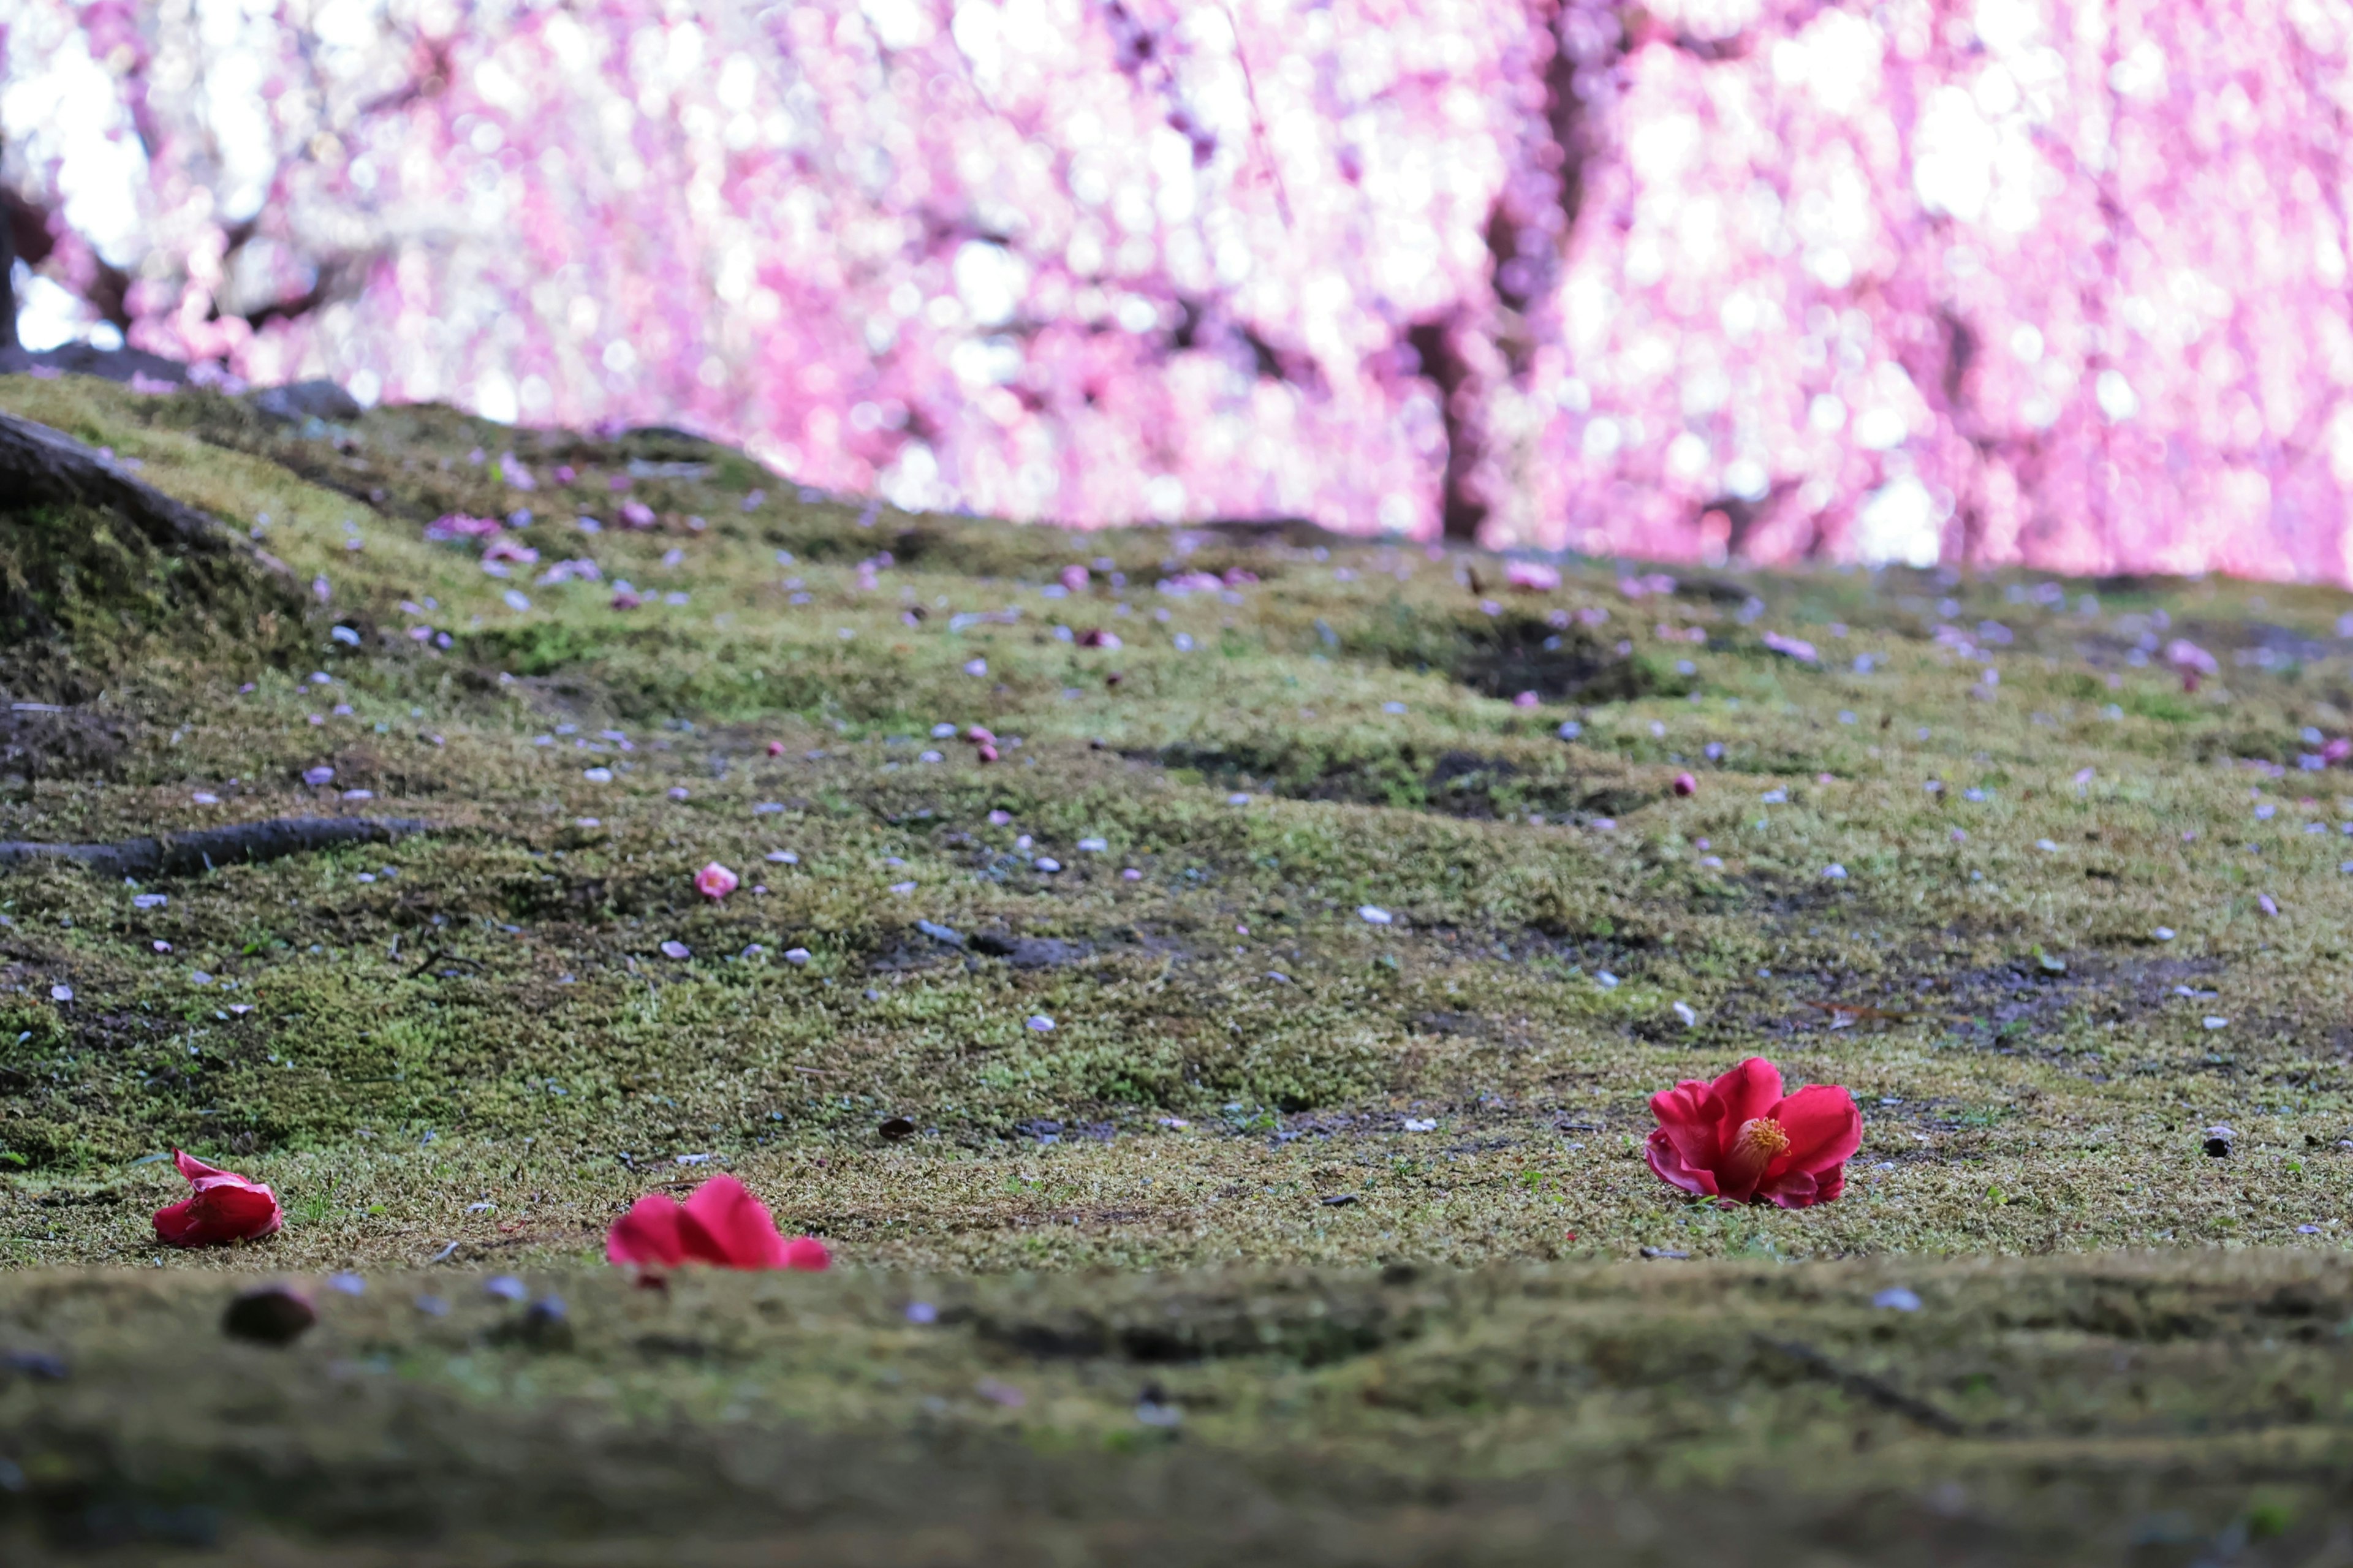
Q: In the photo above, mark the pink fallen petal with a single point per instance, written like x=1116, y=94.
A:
x=716, y=881
x=458, y=525
x=2187, y=655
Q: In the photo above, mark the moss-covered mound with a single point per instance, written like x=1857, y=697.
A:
x=103, y=579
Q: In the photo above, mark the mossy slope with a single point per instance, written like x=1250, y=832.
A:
x=2054, y=918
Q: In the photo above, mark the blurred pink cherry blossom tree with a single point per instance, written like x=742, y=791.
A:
x=2010, y=280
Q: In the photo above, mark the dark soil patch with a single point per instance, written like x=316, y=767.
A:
x=2015, y=1003
x=928, y=944
x=1507, y=654
x=2014, y=1007
x=1030, y=952
x=44, y=741
x=1456, y=782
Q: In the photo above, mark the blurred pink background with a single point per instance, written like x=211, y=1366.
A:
x=2004, y=281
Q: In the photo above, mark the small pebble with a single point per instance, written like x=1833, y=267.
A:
x=269, y=1315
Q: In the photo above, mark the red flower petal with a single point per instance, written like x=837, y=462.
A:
x=647, y=1236
x=1747, y=1092
x=179, y=1224
x=1791, y=1190
x=1824, y=1128
x=720, y=1224
x=224, y=1208
x=726, y=1225
x=1668, y=1161
x=1741, y=1139
x=1689, y=1116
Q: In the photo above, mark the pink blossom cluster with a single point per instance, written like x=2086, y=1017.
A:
x=2000, y=280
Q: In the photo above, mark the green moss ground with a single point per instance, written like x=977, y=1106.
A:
x=468, y=1050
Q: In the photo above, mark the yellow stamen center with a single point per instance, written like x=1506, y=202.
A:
x=1753, y=1148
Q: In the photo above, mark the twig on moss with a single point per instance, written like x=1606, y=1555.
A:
x=188, y=854
x=1863, y=1385
x=440, y=955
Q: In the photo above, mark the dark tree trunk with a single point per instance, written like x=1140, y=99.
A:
x=9, y=343
x=1449, y=373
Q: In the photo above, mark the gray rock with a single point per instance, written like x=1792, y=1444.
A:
x=301, y=400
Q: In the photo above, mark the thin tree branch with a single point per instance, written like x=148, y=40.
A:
x=188, y=854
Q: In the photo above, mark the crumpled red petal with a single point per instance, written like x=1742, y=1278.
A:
x=806, y=1252
x=647, y=1237
x=724, y=1224
x=224, y=1208
x=721, y=1224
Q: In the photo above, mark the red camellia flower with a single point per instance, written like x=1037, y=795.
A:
x=224, y=1208
x=1741, y=1138
x=720, y=1224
